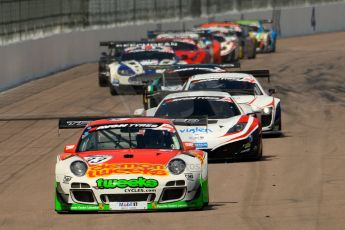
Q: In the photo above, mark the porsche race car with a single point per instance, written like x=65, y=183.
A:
x=129, y=164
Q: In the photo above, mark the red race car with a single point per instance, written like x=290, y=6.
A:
x=188, y=51
x=128, y=164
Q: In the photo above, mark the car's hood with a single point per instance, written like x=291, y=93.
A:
x=255, y=101
x=145, y=156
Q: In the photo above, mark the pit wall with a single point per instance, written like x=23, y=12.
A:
x=25, y=61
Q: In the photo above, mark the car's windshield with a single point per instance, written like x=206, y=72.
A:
x=219, y=38
x=184, y=46
x=193, y=107
x=232, y=86
x=147, y=55
x=125, y=136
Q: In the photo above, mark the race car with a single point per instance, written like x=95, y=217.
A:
x=247, y=44
x=136, y=58
x=230, y=44
x=129, y=164
x=188, y=51
x=173, y=78
x=202, y=39
x=214, y=122
x=263, y=32
x=244, y=88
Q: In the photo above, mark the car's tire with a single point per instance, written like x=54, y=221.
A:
x=114, y=90
x=257, y=155
x=102, y=82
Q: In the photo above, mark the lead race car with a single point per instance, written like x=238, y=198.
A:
x=214, y=122
x=128, y=164
x=244, y=88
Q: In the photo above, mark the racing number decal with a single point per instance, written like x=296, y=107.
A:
x=92, y=160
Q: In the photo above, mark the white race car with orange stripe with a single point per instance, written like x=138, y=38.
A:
x=244, y=88
x=214, y=122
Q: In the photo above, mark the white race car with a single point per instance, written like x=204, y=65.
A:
x=244, y=88
x=133, y=61
x=128, y=164
x=214, y=122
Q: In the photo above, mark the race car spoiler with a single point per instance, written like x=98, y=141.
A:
x=128, y=44
x=77, y=122
x=145, y=78
x=81, y=122
x=262, y=73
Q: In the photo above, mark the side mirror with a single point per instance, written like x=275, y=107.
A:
x=70, y=149
x=271, y=91
x=184, y=57
x=188, y=146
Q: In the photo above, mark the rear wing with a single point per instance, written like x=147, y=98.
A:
x=128, y=44
x=117, y=47
x=262, y=73
x=167, y=77
x=77, y=122
x=81, y=122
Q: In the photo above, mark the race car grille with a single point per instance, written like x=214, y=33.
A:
x=83, y=196
x=149, y=197
x=266, y=120
x=80, y=185
x=170, y=194
x=176, y=183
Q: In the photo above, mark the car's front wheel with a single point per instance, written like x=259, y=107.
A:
x=114, y=90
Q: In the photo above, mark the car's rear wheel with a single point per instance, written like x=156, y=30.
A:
x=102, y=82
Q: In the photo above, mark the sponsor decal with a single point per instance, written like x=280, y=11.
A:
x=140, y=190
x=201, y=145
x=92, y=160
x=66, y=179
x=189, y=176
x=196, y=130
x=191, y=98
x=138, y=125
x=127, y=168
x=140, y=182
x=129, y=205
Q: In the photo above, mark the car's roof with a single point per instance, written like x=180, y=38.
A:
x=197, y=94
x=129, y=120
x=235, y=76
x=211, y=24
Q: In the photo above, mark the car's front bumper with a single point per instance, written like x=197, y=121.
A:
x=189, y=195
x=244, y=148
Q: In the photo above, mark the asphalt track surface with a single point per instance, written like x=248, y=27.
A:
x=299, y=184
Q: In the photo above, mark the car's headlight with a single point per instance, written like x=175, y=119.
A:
x=237, y=128
x=78, y=168
x=177, y=166
x=267, y=110
x=125, y=71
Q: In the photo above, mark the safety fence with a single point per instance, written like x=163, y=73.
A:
x=25, y=19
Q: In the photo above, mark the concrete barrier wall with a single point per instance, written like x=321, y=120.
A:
x=22, y=62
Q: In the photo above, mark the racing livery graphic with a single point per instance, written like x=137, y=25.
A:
x=214, y=122
x=129, y=164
